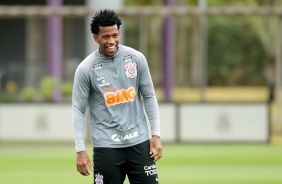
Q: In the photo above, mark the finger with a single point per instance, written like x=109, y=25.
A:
x=90, y=165
x=157, y=158
x=82, y=169
x=160, y=151
x=153, y=155
x=151, y=148
x=158, y=154
x=82, y=172
x=86, y=172
x=79, y=168
x=86, y=166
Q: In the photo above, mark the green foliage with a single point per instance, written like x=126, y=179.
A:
x=47, y=87
x=7, y=97
x=28, y=94
x=235, y=54
x=132, y=33
x=266, y=31
x=66, y=88
x=142, y=2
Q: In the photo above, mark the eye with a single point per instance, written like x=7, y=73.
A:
x=105, y=36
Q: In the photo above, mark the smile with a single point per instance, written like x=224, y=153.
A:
x=111, y=47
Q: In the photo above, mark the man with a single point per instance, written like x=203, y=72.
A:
x=115, y=82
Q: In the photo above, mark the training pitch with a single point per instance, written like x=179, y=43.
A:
x=181, y=164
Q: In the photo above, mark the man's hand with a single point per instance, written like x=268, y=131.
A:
x=155, y=148
x=83, y=163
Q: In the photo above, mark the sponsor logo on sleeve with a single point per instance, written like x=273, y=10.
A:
x=127, y=58
x=131, y=70
x=97, y=66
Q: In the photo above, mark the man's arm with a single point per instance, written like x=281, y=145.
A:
x=151, y=107
x=80, y=95
x=81, y=88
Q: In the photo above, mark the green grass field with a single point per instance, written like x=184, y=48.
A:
x=181, y=164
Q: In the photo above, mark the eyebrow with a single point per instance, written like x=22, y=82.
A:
x=109, y=34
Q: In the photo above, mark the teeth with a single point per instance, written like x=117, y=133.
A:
x=112, y=47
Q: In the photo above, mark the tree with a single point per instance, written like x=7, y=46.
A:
x=266, y=29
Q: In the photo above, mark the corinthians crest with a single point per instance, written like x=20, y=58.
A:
x=98, y=179
x=131, y=70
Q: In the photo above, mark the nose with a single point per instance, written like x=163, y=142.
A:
x=111, y=40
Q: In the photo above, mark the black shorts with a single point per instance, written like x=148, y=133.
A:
x=111, y=165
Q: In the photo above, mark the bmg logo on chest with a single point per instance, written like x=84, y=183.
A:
x=120, y=96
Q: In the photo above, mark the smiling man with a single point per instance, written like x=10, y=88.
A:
x=115, y=82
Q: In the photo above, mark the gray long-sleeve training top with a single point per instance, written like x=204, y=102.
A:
x=113, y=87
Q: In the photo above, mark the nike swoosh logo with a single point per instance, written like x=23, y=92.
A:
x=157, y=179
x=98, y=79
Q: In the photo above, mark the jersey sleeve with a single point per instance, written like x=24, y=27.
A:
x=149, y=97
x=81, y=88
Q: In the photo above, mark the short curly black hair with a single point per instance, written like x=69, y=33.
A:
x=104, y=18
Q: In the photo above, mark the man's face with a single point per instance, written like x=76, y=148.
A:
x=108, y=40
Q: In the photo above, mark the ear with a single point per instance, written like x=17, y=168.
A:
x=95, y=38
